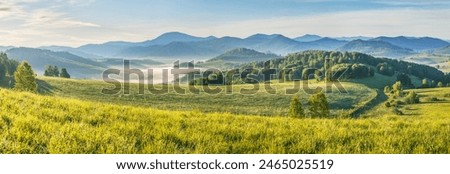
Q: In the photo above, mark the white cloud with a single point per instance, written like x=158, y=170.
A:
x=33, y=27
x=77, y=2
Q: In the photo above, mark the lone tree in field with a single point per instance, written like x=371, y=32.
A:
x=64, y=73
x=24, y=77
x=296, y=109
x=319, y=105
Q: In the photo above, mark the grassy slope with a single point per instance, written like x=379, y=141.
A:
x=32, y=123
x=260, y=103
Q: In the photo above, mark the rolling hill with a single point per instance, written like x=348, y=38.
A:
x=78, y=67
x=376, y=48
x=40, y=124
x=70, y=50
x=444, y=50
x=414, y=43
x=170, y=37
x=155, y=47
x=308, y=38
x=325, y=43
x=4, y=48
x=241, y=55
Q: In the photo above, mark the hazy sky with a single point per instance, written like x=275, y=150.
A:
x=76, y=22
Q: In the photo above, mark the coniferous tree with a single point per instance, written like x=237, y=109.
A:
x=64, y=73
x=296, y=109
x=319, y=105
x=7, y=69
x=51, y=71
x=24, y=78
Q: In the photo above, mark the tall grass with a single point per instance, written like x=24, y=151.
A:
x=32, y=123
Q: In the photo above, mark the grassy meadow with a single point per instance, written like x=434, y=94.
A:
x=52, y=123
x=251, y=102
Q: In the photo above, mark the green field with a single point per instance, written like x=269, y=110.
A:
x=261, y=103
x=33, y=123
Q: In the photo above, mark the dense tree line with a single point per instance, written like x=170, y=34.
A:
x=314, y=64
x=21, y=76
x=7, y=69
x=290, y=66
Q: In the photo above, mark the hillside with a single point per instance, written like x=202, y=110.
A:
x=170, y=37
x=308, y=38
x=305, y=60
x=444, y=50
x=171, y=50
x=211, y=46
x=44, y=124
x=413, y=43
x=325, y=43
x=376, y=48
x=77, y=66
x=243, y=55
x=70, y=50
x=236, y=102
x=4, y=48
x=233, y=58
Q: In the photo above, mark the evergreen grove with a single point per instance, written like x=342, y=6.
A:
x=53, y=71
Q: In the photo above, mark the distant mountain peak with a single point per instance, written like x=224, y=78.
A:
x=263, y=36
x=308, y=38
x=173, y=33
x=174, y=36
x=244, y=55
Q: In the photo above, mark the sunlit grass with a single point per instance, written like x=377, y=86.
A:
x=252, y=101
x=32, y=123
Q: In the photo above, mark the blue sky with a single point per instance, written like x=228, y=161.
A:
x=77, y=22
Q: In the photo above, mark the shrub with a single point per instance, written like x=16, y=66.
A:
x=412, y=98
x=296, y=109
x=319, y=105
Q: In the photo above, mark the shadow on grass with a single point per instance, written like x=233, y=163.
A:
x=410, y=114
x=45, y=88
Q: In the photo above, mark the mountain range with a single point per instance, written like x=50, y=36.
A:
x=92, y=58
x=178, y=45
